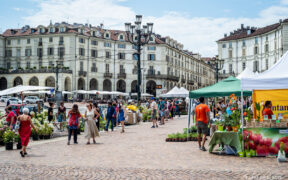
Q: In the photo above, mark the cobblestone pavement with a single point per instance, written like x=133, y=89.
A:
x=139, y=153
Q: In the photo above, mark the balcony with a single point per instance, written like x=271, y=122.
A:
x=199, y=84
x=61, y=42
x=93, y=69
x=108, y=75
x=183, y=80
x=191, y=82
x=82, y=73
x=172, y=78
x=121, y=76
x=42, y=70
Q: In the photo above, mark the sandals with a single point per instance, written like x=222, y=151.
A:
x=94, y=142
x=22, y=154
x=88, y=143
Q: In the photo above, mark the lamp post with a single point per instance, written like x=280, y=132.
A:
x=138, y=37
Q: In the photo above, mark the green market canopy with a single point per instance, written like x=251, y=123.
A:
x=226, y=87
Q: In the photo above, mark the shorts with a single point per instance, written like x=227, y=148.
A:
x=202, y=128
x=161, y=113
x=154, y=114
x=61, y=118
x=167, y=112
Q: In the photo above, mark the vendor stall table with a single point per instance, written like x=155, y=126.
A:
x=225, y=138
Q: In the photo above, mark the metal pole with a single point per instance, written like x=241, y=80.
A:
x=189, y=115
x=114, y=68
x=242, y=124
x=139, y=66
x=56, y=77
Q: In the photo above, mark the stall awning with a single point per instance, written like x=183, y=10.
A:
x=226, y=87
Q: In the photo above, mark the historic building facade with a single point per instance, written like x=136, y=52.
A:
x=94, y=58
x=255, y=48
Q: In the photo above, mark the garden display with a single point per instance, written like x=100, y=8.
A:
x=182, y=137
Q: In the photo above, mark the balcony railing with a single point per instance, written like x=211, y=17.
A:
x=82, y=73
x=108, y=75
x=191, y=82
x=122, y=76
x=183, y=80
x=41, y=70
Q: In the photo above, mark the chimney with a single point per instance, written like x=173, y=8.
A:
x=242, y=26
x=225, y=35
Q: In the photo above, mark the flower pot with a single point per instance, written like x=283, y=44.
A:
x=2, y=143
x=241, y=154
x=47, y=136
x=220, y=128
x=248, y=154
x=19, y=146
x=228, y=128
x=35, y=138
x=235, y=129
x=41, y=137
x=252, y=152
x=9, y=146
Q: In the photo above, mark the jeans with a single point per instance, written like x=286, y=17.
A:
x=108, y=122
x=177, y=112
x=74, y=134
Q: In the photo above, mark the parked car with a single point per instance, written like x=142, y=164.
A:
x=4, y=98
x=14, y=100
x=32, y=100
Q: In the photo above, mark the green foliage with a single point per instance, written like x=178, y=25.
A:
x=8, y=136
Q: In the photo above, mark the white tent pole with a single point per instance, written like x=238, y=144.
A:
x=189, y=116
x=242, y=124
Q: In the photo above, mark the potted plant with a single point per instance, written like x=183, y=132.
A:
x=258, y=112
x=2, y=130
x=281, y=154
x=8, y=138
x=18, y=140
x=34, y=135
x=227, y=122
x=220, y=125
x=247, y=151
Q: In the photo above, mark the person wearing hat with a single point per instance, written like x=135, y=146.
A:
x=153, y=107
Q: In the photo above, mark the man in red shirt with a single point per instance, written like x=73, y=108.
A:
x=11, y=117
x=203, y=119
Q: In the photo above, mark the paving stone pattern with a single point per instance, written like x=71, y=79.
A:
x=139, y=153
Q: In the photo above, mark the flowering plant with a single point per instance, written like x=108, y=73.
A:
x=8, y=136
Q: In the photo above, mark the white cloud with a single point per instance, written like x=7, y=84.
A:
x=17, y=9
x=198, y=34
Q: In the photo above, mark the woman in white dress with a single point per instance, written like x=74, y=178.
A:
x=91, y=130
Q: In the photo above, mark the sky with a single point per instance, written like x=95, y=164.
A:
x=197, y=24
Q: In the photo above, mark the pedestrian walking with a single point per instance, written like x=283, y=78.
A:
x=203, y=119
x=115, y=115
x=177, y=109
x=121, y=116
x=109, y=116
x=91, y=130
x=167, y=112
x=11, y=118
x=61, y=116
x=162, y=105
x=153, y=107
x=97, y=115
x=25, y=130
x=73, y=124
x=50, y=112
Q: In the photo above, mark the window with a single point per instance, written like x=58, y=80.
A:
x=230, y=44
x=107, y=68
x=94, y=69
x=230, y=68
x=230, y=53
x=135, y=56
x=255, y=50
x=267, y=38
x=50, y=51
x=167, y=58
x=266, y=48
x=62, y=29
x=151, y=57
x=243, y=43
x=8, y=42
x=39, y=52
x=107, y=54
x=18, y=41
x=134, y=47
x=121, y=37
x=243, y=52
x=81, y=31
x=81, y=40
x=51, y=30
x=41, y=30
x=122, y=46
x=94, y=53
x=81, y=66
x=151, y=48
x=81, y=51
x=121, y=56
x=50, y=39
x=51, y=63
x=122, y=70
x=255, y=66
x=107, y=35
x=8, y=65
x=61, y=40
x=151, y=70
x=256, y=40
x=28, y=41
x=93, y=42
x=28, y=65
x=27, y=52
x=107, y=44
x=267, y=64
x=18, y=64
x=61, y=52
x=243, y=66
x=151, y=38
x=18, y=52
x=40, y=64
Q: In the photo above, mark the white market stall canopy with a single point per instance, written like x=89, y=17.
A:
x=142, y=95
x=274, y=78
x=176, y=92
x=101, y=92
x=44, y=92
x=247, y=73
x=21, y=88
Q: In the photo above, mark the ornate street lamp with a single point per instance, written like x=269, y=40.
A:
x=219, y=63
x=138, y=37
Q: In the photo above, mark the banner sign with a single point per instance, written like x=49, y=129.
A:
x=279, y=99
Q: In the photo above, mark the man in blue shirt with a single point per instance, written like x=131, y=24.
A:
x=162, y=106
x=109, y=116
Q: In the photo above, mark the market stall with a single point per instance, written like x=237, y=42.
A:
x=267, y=131
x=177, y=92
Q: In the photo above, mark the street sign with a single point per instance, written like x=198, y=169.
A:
x=158, y=86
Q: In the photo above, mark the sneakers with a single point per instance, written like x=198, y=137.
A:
x=68, y=143
x=153, y=127
x=156, y=126
x=203, y=148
